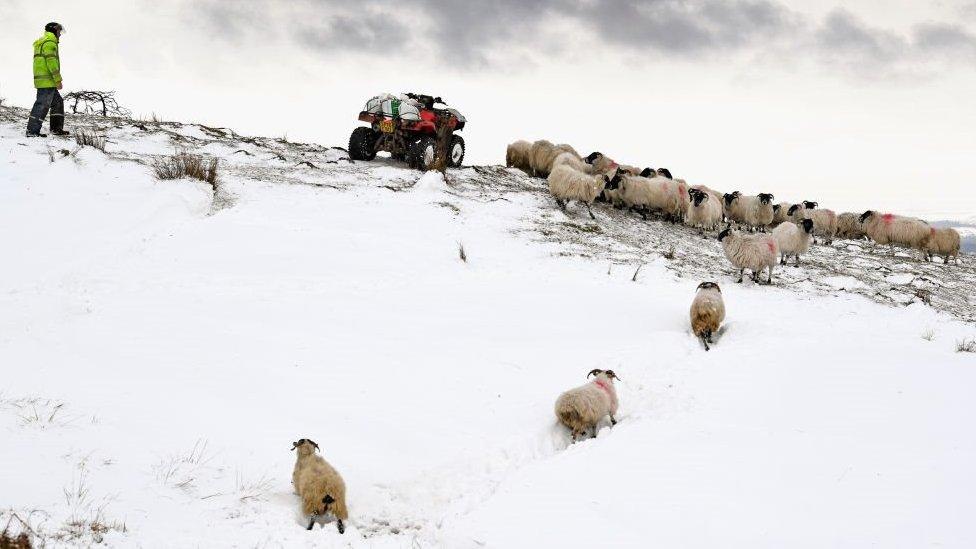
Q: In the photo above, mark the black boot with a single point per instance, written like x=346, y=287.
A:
x=38, y=134
x=60, y=132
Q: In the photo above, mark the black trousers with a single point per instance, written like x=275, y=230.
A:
x=48, y=99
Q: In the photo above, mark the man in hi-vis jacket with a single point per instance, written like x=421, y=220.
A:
x=47, y=80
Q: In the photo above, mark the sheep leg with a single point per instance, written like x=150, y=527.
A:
x=769, y=280
x=561, y=204
x=589, y=210
x=340, y=526
x=311, y=522
x=613, y=420
x=741, y=271
x=704, y=340
x=797, y=260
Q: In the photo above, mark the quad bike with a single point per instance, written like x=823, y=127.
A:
x=406, y=127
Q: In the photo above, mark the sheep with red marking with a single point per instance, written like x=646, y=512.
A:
x=583, y=408
x=894, y=229
x=659, y=194
x=756, y=252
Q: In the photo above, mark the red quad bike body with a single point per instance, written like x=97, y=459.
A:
x=406, y=127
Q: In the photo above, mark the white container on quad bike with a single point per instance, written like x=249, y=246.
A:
x=389, y=105
x=375, y=105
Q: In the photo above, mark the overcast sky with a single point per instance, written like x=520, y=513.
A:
x=859, y=104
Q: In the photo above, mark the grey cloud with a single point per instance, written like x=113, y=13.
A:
x=345, y=33
x=690, y=27
x=476, y=34
x=844, y=35
x=871, y=51
x=943, y=38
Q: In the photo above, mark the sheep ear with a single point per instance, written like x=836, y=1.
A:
x=594, y=372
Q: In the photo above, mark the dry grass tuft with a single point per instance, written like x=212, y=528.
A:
x=966, y=346
x=181, y=471
x=461, y=253
x=184, y=164
x=88, y=138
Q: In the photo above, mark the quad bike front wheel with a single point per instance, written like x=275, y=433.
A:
x=457, y=151
x=362, y=144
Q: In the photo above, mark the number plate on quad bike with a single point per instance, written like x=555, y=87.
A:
x=386, y=126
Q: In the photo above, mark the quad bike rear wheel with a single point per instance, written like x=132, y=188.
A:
x=421, y=155
x=362, y=143
x=457, y=151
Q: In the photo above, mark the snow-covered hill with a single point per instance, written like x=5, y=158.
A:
x=161, y=347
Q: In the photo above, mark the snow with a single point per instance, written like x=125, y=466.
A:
x=160, y=354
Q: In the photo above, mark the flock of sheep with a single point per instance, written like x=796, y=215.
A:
x=597, y=177
x=571, y=177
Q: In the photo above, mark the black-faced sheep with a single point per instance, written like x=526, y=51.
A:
x=755, y=252
x=704, y=210
x=582, y=408
x=566, y=184
x=793, y=239
x=894, y=229
x=824, y=221
x=754, y=212
x=319, y=485
x=659, y=194
x=780, y=212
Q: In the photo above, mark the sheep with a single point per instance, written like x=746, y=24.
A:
x=793, y=239
x=824, y=221
x=573, y=161
x=603, y=164
x=319, y=485
x=707, y=312
x=944, y=242
x=543, y=154
x=585, y=406
x=755, y=252
x=755, y=212
x=849, y=226
x=704, y=210
x=780, y=212
x=658, y=194
x=567, y=184
x=517, y=155
x=894, y=229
